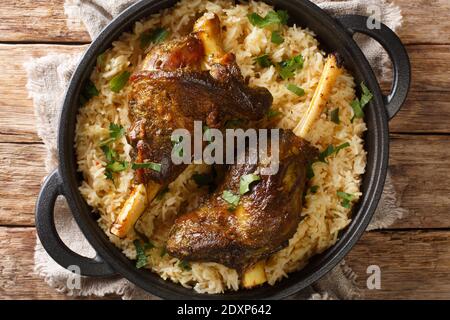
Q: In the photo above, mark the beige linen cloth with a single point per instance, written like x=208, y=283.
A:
x=47, y=80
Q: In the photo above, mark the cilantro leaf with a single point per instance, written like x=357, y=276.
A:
x=287, y=68
x=119, y=81
x=263, y=61
x=346, y=199
x=279, y=17
x=147, y=165
x=231, y=198
x=246, y=181
x=272, y=113
x=295, y=89
x=116, y=131
x=155, y=36
x=110, y=154
x=276, y=37
x=141, y=257
x=330, y=150
x=334, y=116
x=366, y=95
x=89, y=91
x=117, y=166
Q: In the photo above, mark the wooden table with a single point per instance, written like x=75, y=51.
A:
x=413, y=254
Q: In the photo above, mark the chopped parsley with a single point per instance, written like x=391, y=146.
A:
x=334, y=116
x=117, y=166
x=116, y=131
x=246, y=181
x=147, y=165
x=119, y=81
x=295, y=89
x=155, y=36
x=330, y=150
x=231, y=198
x=110, y=154
x=287, y=68
x=346, y=199
x=276, y=37
x=278, y=17
x=264, y=61
x=359, y=104
x=89, y=91
x=141, y=257
x=273, y=114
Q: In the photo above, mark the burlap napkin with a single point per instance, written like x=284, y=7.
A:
x=47, y=79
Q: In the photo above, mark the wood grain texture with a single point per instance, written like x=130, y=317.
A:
x=418, y=165
x=17, y=277
x=38, y=21
x=17, y=121
x=414, y=264
x=41, y=21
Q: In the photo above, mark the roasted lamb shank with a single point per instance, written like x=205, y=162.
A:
x=262, y=223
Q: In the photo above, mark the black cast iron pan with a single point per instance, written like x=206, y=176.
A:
x=335, y=35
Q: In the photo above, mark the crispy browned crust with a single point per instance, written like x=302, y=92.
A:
x=262, y=224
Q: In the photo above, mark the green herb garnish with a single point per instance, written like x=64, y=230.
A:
x=330, y=150
x=273, y=113
x=119, y=81
x=184, y=265
x=231, y=198
x=264, y=61
x=147, y=165
x=116, y=131
x=156, y=36
x=346, y=198
x=358, y=104
x=279, y=17
x=287, y=68
x=101, y=61
x=110, y=154
x=295, y=89
x=89, y=91
x=246, y=181
x=276, y=37
x=334, y=116
x=117, y=166
x=141, y=257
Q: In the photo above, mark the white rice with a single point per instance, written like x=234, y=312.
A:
x=323, y=214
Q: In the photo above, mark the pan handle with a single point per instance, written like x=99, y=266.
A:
x=397, y=53
x=52, y=243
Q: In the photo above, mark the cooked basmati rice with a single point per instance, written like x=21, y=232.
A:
x=324, y=216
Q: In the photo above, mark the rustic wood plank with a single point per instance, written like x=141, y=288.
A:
x=38, y=21
x=425, y=21
x=420, y=269
x=414, y=265
x=420, y=169
x=418, y=165
x=22, y=171
x=17, y=121
x=17, y=277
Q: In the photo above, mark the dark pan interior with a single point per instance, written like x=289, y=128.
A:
x=333, y=38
